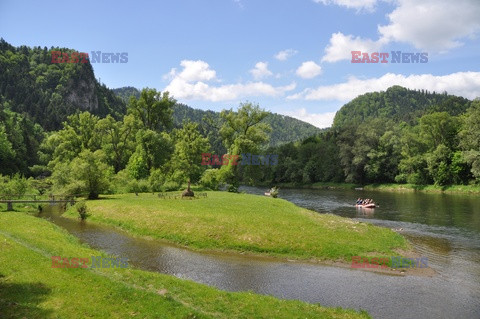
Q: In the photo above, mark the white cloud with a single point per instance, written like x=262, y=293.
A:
x=428, y=25
x=193, y=71
x=341, y=47
x=285, y=54
x=191, y=84
x=466, y=84
x=434, y=25
x=309, y=70
x=260, y=71
x=351, y=4
x=320, y=120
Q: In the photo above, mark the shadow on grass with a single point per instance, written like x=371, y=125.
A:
x=102, y=197
x=21, y=300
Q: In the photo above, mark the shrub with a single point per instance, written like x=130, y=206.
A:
x=171, y=186
x=82, y=209
x=210, y=179
x=15, y=185
x=232, y=188
x=274, y=191
x=156, y=180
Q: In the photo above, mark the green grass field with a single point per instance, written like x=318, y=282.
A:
x=244, y=223
x=31, y=288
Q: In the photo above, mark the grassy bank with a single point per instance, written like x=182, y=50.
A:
x=31, y=288
x=319, y=185
x=451, y=189
x=391, y=187
x=244, y=223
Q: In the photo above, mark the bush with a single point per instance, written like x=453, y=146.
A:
x=232, y=188
x=210, y=179
x=156, y=180
x=171, y=186
x=74, y=188
x=82, y=209
x=140, y=186
x=274, y=191
x=16, y=185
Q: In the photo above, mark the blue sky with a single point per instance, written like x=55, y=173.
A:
x=291, y=57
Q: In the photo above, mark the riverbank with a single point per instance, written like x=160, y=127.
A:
x=31, y=288
x=449, y=189
x=243, y=223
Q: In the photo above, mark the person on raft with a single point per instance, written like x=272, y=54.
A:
x=364, y=201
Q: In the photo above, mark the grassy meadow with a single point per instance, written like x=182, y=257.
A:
x=244, y=223
x=31, y=288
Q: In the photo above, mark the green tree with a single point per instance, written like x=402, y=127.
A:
x=153, y=109
x=243, y=131
x=438, y=165
x=79, y=133
x=439, y=128
x=470, y=138
x=118, y=139
x=90, y=169
x=187, y=155
x=7, y=154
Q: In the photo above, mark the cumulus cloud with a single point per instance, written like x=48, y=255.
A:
x=441, y=27
x=341, y=46
x=193, y=71
x=260, y=71
x=320, y=120
x=285, y=54
x=191, y=84
x=309, y=70
x=351, y=4
x=466, y=84
x=429, y=25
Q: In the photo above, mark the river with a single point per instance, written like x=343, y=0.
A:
x=443, y=228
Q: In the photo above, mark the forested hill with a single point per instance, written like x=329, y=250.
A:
x=398, y=104
x=400, y=135
x=284, y=128
x=48, y=92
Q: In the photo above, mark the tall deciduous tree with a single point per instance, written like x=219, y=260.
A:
x=243, y=131
x=153, y=108
x=187, y=156
x=78, y=133
x=118, y=139
x=90, y=169
x=470, y=138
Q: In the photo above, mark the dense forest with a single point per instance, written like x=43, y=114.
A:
x=68, y=133
x=57, y=120
x=400, y=135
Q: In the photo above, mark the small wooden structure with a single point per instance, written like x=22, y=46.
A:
x=188, y=192
x=53, y=199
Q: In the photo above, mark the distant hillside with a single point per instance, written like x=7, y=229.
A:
x=125, y=92
x=399, y=104
x=284, y=128
x=48, y=92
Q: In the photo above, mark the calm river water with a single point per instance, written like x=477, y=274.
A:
x=443, y=228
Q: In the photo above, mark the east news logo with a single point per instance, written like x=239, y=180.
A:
x=96, y=57
x=97, y=262
x=382, y=57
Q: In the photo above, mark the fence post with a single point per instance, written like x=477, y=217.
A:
x=9, y=207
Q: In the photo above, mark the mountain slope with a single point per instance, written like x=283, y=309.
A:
x=48, y=92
